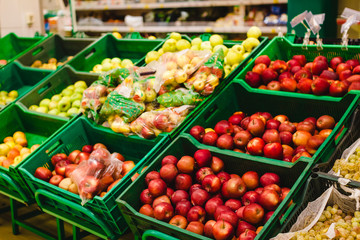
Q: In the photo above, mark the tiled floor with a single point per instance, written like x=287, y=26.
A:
x=43, y=221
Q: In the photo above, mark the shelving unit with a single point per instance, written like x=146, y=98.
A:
x=163, y=27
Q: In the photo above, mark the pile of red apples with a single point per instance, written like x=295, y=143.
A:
x=320, y=77
x=263, y=135
x=196, y=194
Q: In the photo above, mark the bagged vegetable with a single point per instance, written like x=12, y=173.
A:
x=207, y=78
x=179, y=97
x=94, y=175
x=151, y=124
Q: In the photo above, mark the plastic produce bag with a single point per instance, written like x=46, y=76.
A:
x=93, y=98
x=207, y=78
x=94, y=175
x=179, y=97
x=312, y=213
x=151, y=124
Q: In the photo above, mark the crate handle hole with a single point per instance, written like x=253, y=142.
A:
x=37, y=51
x=90, y=53
x=54, y=147
x=44, y=88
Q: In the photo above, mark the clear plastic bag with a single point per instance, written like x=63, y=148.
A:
x=94, y=175
x=151, y=124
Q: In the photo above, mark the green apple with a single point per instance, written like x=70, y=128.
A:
x=253, y=32
x=56, y=98
x=106, y=66
x=45, y=102
x=175, y=35
x=234, y=66
x=150, y=95
x=76, y=104
x=206, y=45
x=238, y=48
x=75, y=96
x=116, y=60
x=196, y=42
x=80, y=84
x=62, y=114
x=52, y=105
x=106, y=60
x=54, y=111
x=215, y=40
x=250, y=43
x=169, y=45
x=233, y=57
x=126, y=63
x=67, y=92
x=227, y=70
x=161, y=52
x=64, y=104
x=33, y=107
x=182, y=44
x=195, y=48
x=72, y=112
x=245, y=55
x=97, y=68
x=42, y=109
x=3, y=93
x=223, y=47
x=13, y=94
x=70, y=87
x=79, y=90
x=151, y=56
x=9, y=100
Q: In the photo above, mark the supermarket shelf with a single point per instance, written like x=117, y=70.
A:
x=96, y=6
x=183, y=29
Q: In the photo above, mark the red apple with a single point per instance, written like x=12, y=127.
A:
x=300, y=58
x=300, y=154
x=225, y=141
x=247, y=235
x=269, y=199
x=233, y=188
x=169, y=192
x=169, y=159
x=240, y=212
x=183, y=182
x=223, y=176
x=230, y=217
x=222, y=230
x=263, y=59
x=301, y=138
x=161, y=199
x=338, y=89
x=272, y=124
x=274, y=85
x=334, y=62
x=345, y=75
x=235, y=119
x=56, y=179
x=259, y=68
x=287, y=150
x=320, y=58
x=314, y=143
x=208, y=228
x=183, y=207
x=244, y=123
x=320, y=86
x=353, y=63
x=302, y=73
x=274, y=187
x=196, y=227
x=202, y=173
x=308, y=66
x=69, y=169
x=250, y=197
x=194, y=187
x=273, y=150
x=268, y=216
x=268, y=75
x=256, y=146
x=186, y=164
x=199, y=197
x=163, y=211
x=151, y=176
x=146, y=197
x=216, y=164
x=197, y=132
x=356, y=70
x=281, y=118
x=196, y=213
x=251, y=179
x=292, y=63
x=61, y=166
x=354, y=86
x=288, y=85
x=210, y=138
x=168, y=172
x=147, y=210
x=233, y=204
x=286, y=137
x=203, y=157
x=330, y=75
x=259, y=190
x=253, y=79
x=211, y=183
x=72, y=156
x=304, y=85
x=99, y=145
x=179, y=195
x=295, y=69
x=342, y=67
x=271, y=135
x=269, y=178
x=223, y=127
x=242, y=226
x=179, y=221
x=306, y=126
x=319, y=66
x=113, y=155
x=89, y=187
x=242, y=138
x=325, y=122
x=87, y=148
x=212, y=204
x=58, y=157
x=157, y=187
x=279, y=66
x=256, y=127
x=253, y=213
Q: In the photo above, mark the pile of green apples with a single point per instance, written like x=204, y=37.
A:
x=108, y=64
x=8, y=97
x=65, y=104
x=233, y=56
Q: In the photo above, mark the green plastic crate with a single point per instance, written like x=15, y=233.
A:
x=101, y=215
x=52, y=85
x=110, y=47
x=37, y=130
x=16, y=77
x=14, y=46
x=314, y=187
x=283, y=49
x=291, y=175
x=238, y=96
x=57, y=47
